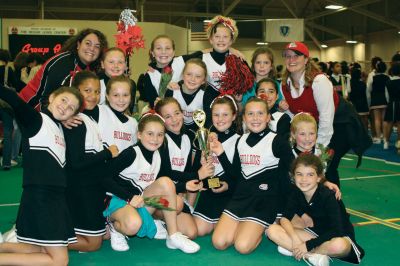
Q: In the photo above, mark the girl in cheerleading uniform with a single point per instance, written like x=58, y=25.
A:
x=212, y=201
x=162, y=54
x=81, y=52
x=315, y=224
x=267, y=90
x=190, y=95
x=87, y=165
x=261, y=159
x=44, y=228
x=143, y=179
x=113, y=64
x=177, y=160
x=117, y=128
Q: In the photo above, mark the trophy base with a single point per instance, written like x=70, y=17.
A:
x=213, y=182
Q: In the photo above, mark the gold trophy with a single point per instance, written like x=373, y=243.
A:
x=199, y=117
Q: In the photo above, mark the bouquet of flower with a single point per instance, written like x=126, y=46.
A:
x=166, y=77
x=158, y=202
x=237, y=79
x=129, y=34
x=326, y=154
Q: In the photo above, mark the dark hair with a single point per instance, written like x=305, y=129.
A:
x=82, y=76
x=308, y=160
x=395, y=69
x=148, y=119
x=355, y=74
x=279, y=68
x=323, y=66
x=224, y=100
x=20, y=60
x=35, y=57
x=255, y=100
x=264, y=50
x=71, y=90
x=381, y=67
x=267, y=80
x=374, y=61
x=396, y=58
x=71, y=45
x=356, y=65
x=163, y=102
x=5, y=55
x=162, y=36
x=332, y=66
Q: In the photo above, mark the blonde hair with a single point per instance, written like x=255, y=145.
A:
x=221, y=21
x=197, y=62
x=302, y=117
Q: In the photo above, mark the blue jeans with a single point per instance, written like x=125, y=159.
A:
x=7, y=137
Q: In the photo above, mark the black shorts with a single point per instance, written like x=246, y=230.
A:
x=43, y=218
x=210, y=205
x=86, y=205
x=356, y=253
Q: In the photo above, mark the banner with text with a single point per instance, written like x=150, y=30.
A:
x=284, y=30
x=44, y=40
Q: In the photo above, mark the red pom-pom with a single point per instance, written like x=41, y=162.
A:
x=237, y=79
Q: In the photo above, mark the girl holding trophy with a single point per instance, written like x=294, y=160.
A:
x=177, y=156
x=212, y=202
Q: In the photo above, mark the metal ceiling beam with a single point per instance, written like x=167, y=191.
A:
x=330, y=12
x=230, y=7
x=306, y=29
x=328, y=30
x=370, y=14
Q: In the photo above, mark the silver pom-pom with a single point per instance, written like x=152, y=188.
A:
x=128, y=18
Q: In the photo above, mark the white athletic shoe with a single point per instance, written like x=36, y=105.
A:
x=182, y=242
x=118, y=240
x=376, y=140
x=11, y=235
x=385, y=145
x=285, y=252
x=161, y=231
x=397, y=145
x=315, y=259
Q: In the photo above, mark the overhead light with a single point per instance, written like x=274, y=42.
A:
x=262, y=43
x=351, y=41
x=334, y=7
x=207, y=20
x=324, y=46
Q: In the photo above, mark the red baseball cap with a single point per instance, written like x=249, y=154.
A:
x=298, y=47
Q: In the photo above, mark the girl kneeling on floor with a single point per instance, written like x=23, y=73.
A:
x=141, y=179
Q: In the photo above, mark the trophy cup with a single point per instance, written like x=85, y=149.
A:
x=199, y=117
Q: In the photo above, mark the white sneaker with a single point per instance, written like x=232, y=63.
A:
x=385, y=145
x=315, y=259
x=11, y=235
x=161, y=231
x=376, y=140
x=118, y=240
x=182, y=242
x=285, y=252
x=14, y=163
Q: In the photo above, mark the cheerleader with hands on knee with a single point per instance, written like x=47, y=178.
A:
x=88, y=164
x=212, y=201
x=176, y=154
x=144, y=178
x=314, y=224
x=44, y=227
x=261, y=158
